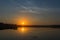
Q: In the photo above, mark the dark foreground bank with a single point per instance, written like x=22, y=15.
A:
x=14, y=26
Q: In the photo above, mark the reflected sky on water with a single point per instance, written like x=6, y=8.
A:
x=30, y=33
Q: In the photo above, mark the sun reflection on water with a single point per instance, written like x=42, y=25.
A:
x=23, y=30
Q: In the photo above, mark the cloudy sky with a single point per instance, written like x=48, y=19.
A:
x=41, y=12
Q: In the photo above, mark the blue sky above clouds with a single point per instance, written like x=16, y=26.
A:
x=42, y=11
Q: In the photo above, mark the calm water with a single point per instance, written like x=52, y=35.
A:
x=28, y=33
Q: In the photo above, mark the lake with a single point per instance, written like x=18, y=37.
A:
x=30, y=33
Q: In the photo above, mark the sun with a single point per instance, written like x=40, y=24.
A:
x=22, y=23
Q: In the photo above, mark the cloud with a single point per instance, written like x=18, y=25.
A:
x=31, y=7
